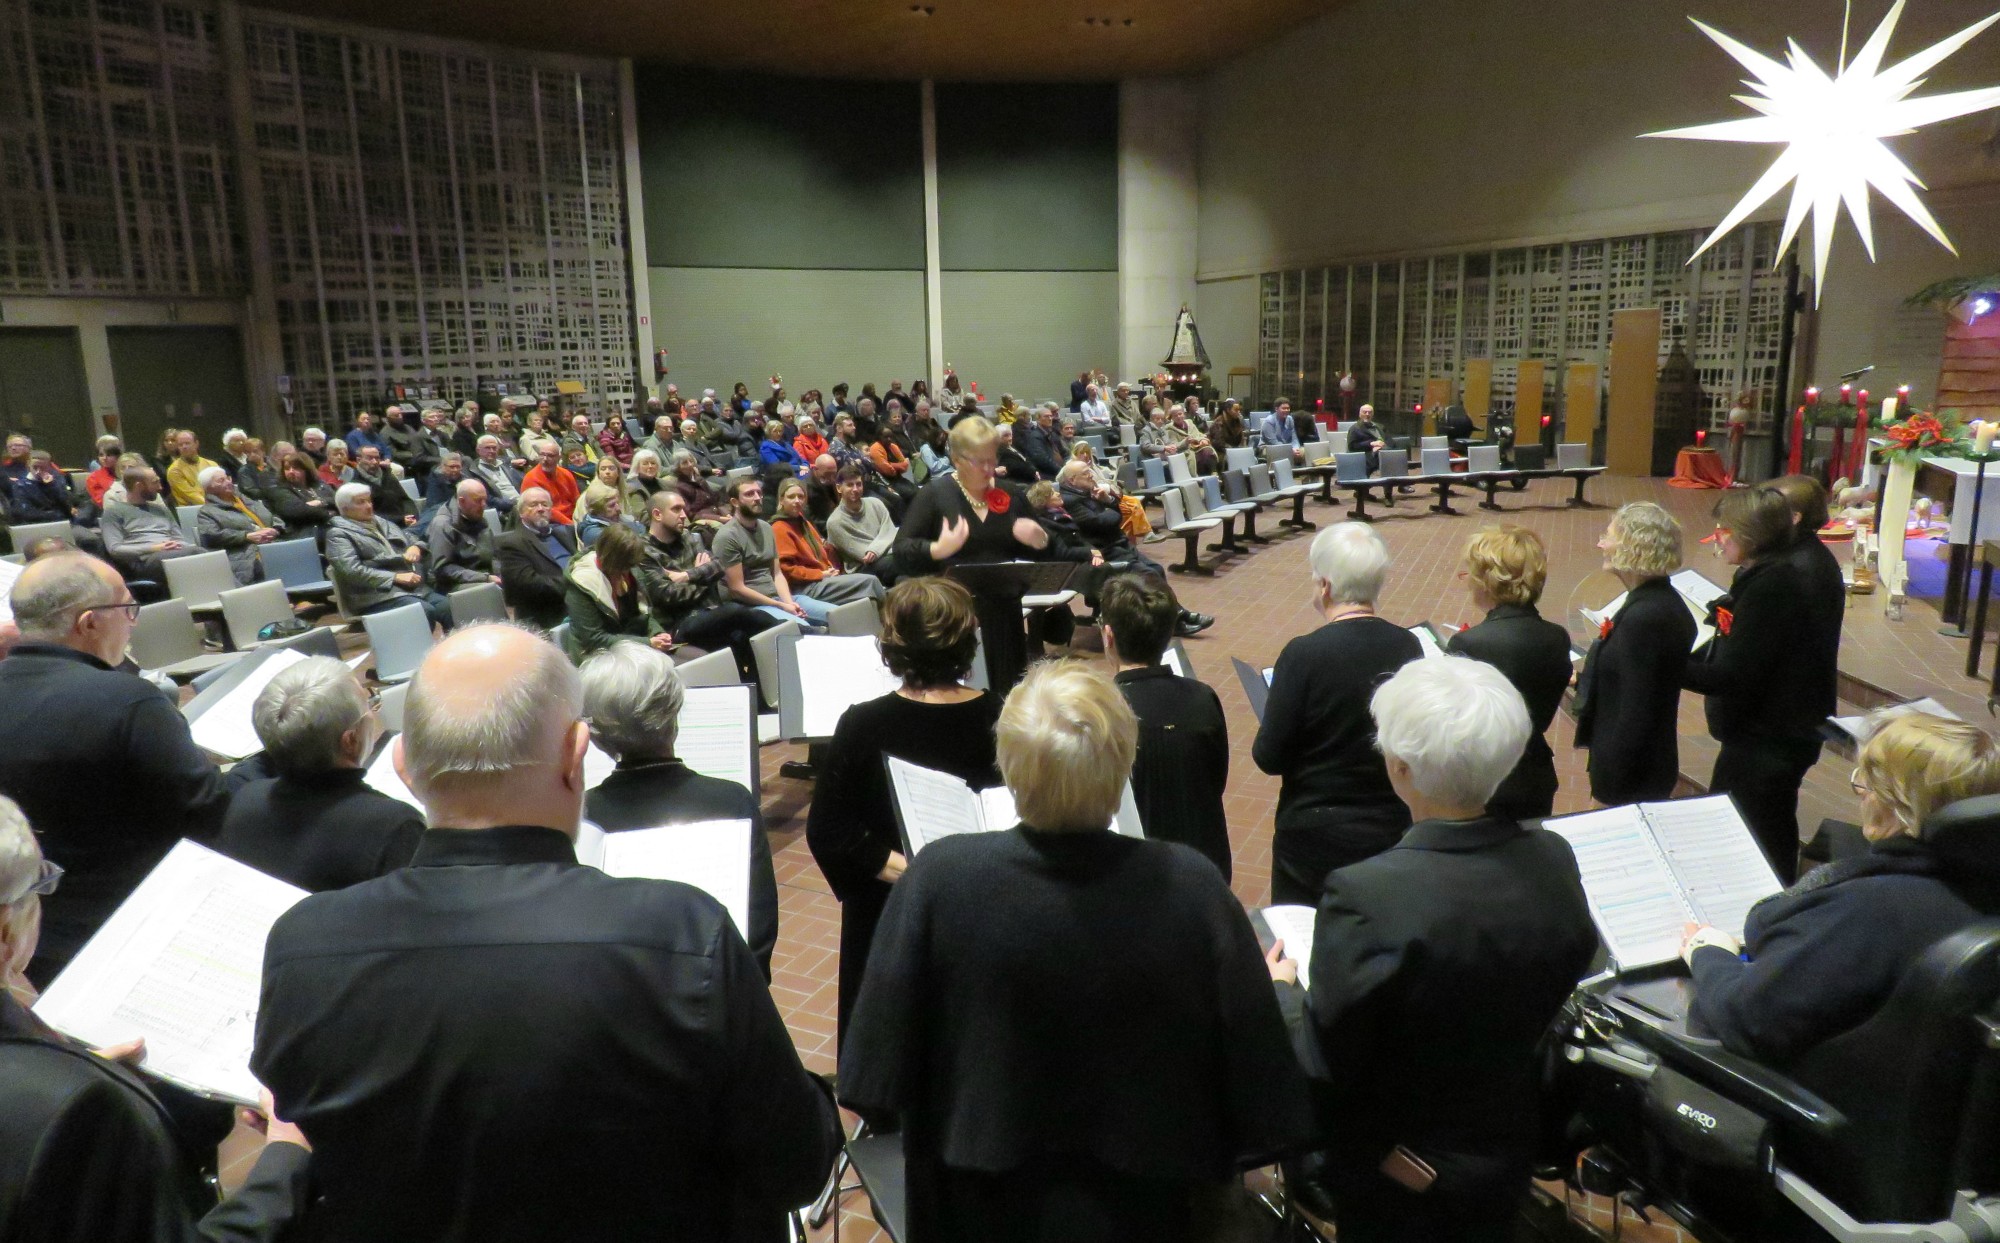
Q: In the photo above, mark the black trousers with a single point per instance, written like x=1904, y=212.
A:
x=727, y=625
x=1763, y=778
x=1320, y=840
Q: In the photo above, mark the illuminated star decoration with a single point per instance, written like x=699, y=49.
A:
x=1832, y=130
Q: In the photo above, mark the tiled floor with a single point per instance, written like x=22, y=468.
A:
x=1262, y=599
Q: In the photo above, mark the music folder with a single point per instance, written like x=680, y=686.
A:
x=220, y=717
x=1176, y=659
x=711, y=855
x=180, y=962
x=1294, y=926
x=1256, y=685
x=1649, y=869
x=821, y=676
x=932, y=805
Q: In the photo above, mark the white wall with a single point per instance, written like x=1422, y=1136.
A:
x=1157, y=214
x=1482, y=124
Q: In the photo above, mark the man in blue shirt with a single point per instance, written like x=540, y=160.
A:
x=364, y=435
x=1278, y=429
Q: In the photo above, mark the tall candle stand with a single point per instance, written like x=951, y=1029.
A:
x=1956, y=627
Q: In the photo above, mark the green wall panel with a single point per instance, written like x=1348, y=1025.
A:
x=1030, y=333
x=748, y=171
x=43, y=391
x=1028, y=178
x=721, y=325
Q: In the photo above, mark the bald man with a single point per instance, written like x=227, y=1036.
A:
x=557, y=1054
x=99, y=759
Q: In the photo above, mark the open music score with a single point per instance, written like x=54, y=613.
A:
x=931, y=805
x=711, y=855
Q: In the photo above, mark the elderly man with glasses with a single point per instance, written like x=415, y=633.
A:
x=100, y=760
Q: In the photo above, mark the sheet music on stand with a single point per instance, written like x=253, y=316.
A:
x=223, y=726
x=1294, y=926
x=1651, y=868
x=180, y=962
x=711, y=855
x=821, y=676
x=931, y=805
x=9, y=571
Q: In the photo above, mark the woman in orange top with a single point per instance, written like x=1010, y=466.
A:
x=809, y=444
x=807, y=563
x=888, y=457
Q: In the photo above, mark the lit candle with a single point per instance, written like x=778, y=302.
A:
x=1889, y=405
x=1982, y=436
x=1799, y=434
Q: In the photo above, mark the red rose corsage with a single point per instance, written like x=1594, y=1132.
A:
x=1724, y=619
x=1604, y=629
x=997, y=500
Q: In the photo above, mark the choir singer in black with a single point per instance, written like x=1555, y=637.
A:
x=1629, y=693
x=1071, y=1025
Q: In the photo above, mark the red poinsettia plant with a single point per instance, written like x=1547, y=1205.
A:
x=1925, y=434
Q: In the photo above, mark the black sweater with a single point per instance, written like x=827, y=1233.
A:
x=991, y=538
x=1628, y=696
x=1768, y=668
x=1316, y=732
x=319, y=831
x=1183, y=761
x=1534, y=654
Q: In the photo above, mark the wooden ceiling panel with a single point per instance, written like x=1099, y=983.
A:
x=955, y=40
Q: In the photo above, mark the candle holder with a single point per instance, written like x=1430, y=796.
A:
x=1956, y=628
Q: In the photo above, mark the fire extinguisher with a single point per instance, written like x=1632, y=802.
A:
x=659, y=363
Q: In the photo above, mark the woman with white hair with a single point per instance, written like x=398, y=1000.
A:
x=1629, y=694
x=317, y=823
x=88, y=1151
x=1335, y=803
x=1071, y=1025
x=230, y=521
x=1437, y=966
x=632, y=696
x=375, y=564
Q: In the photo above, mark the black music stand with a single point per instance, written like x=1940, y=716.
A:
x=997, y=588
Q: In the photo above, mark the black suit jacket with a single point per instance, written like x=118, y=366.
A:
x=102, y=765
x=530, y=580
x=1038, y=445
x=88, y=1154
x=1628, y=696
x=1534, y=654
x=558, y=1054
x=652, y=793
x=1771, y=677
x=319, y=831
x=1183, y=761
x=1437, y=965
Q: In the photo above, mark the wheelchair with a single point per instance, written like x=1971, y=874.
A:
x=1887, y=1133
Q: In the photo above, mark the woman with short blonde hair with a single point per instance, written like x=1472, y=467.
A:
x=1505, y=569
x=1629, y=694
x=1822, y=957
x=990, y=1030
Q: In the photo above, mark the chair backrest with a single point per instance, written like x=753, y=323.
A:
x=477, y=603
x=1918, y=1083
x=1285, y=478
x=1335, y=441
x=1211, y=491
x=1436, y=461
x=200, y=578
x=401, y=638
x=410, y=489
x=27, y=534
x=1260, y=481
x=1277, y=453
x=165, y=634
x=1236, y=486
x=1572, y=457
x=855, y=618
x=764, y=648
x=391, y=707
x=1178, y=470
x=1393, y=463
x=1128, y=435
x=493, y=522
x=1434, y=442
x=1342, y=425
x=1191, y=499
x=1480, y=459
x=1347, y=467
x=1156, y=472
x=1170, y=500
x=1316, y=450
x=717, y=668
x=1239, y=457
x=294, y=562
x=1530, y=457
x=246, y=610
x=560, y=637
x=635, y=429
x=1128, y=475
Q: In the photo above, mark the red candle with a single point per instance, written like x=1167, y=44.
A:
x=1700, y=437
x=1794, y=465
x=1860, y=438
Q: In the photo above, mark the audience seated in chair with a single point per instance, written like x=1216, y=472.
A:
x=602, y=600
x=461, y=544
x=139, y=531
x=238, y=525
x=375, y=565
x=807, y=564
x=524, y=972
x=317, y=824
x=633, y=698
x=532, y=560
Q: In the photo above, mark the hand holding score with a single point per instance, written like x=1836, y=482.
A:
x=1283, y=970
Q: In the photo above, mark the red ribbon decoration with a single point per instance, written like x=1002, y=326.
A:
x=997, y=500
x=1604, y=629
x=1724, y=619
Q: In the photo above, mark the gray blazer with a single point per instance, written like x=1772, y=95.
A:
x=365, y=560
x=227, y=527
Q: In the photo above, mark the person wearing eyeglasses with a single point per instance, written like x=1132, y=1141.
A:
x=100, y=761
x=87, y=1151
x=317, y=824
x=1822, y=957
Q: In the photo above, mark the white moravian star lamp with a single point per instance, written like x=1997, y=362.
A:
x=1832, y=129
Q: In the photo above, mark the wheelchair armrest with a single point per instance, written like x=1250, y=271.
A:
x=1751, y=1084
